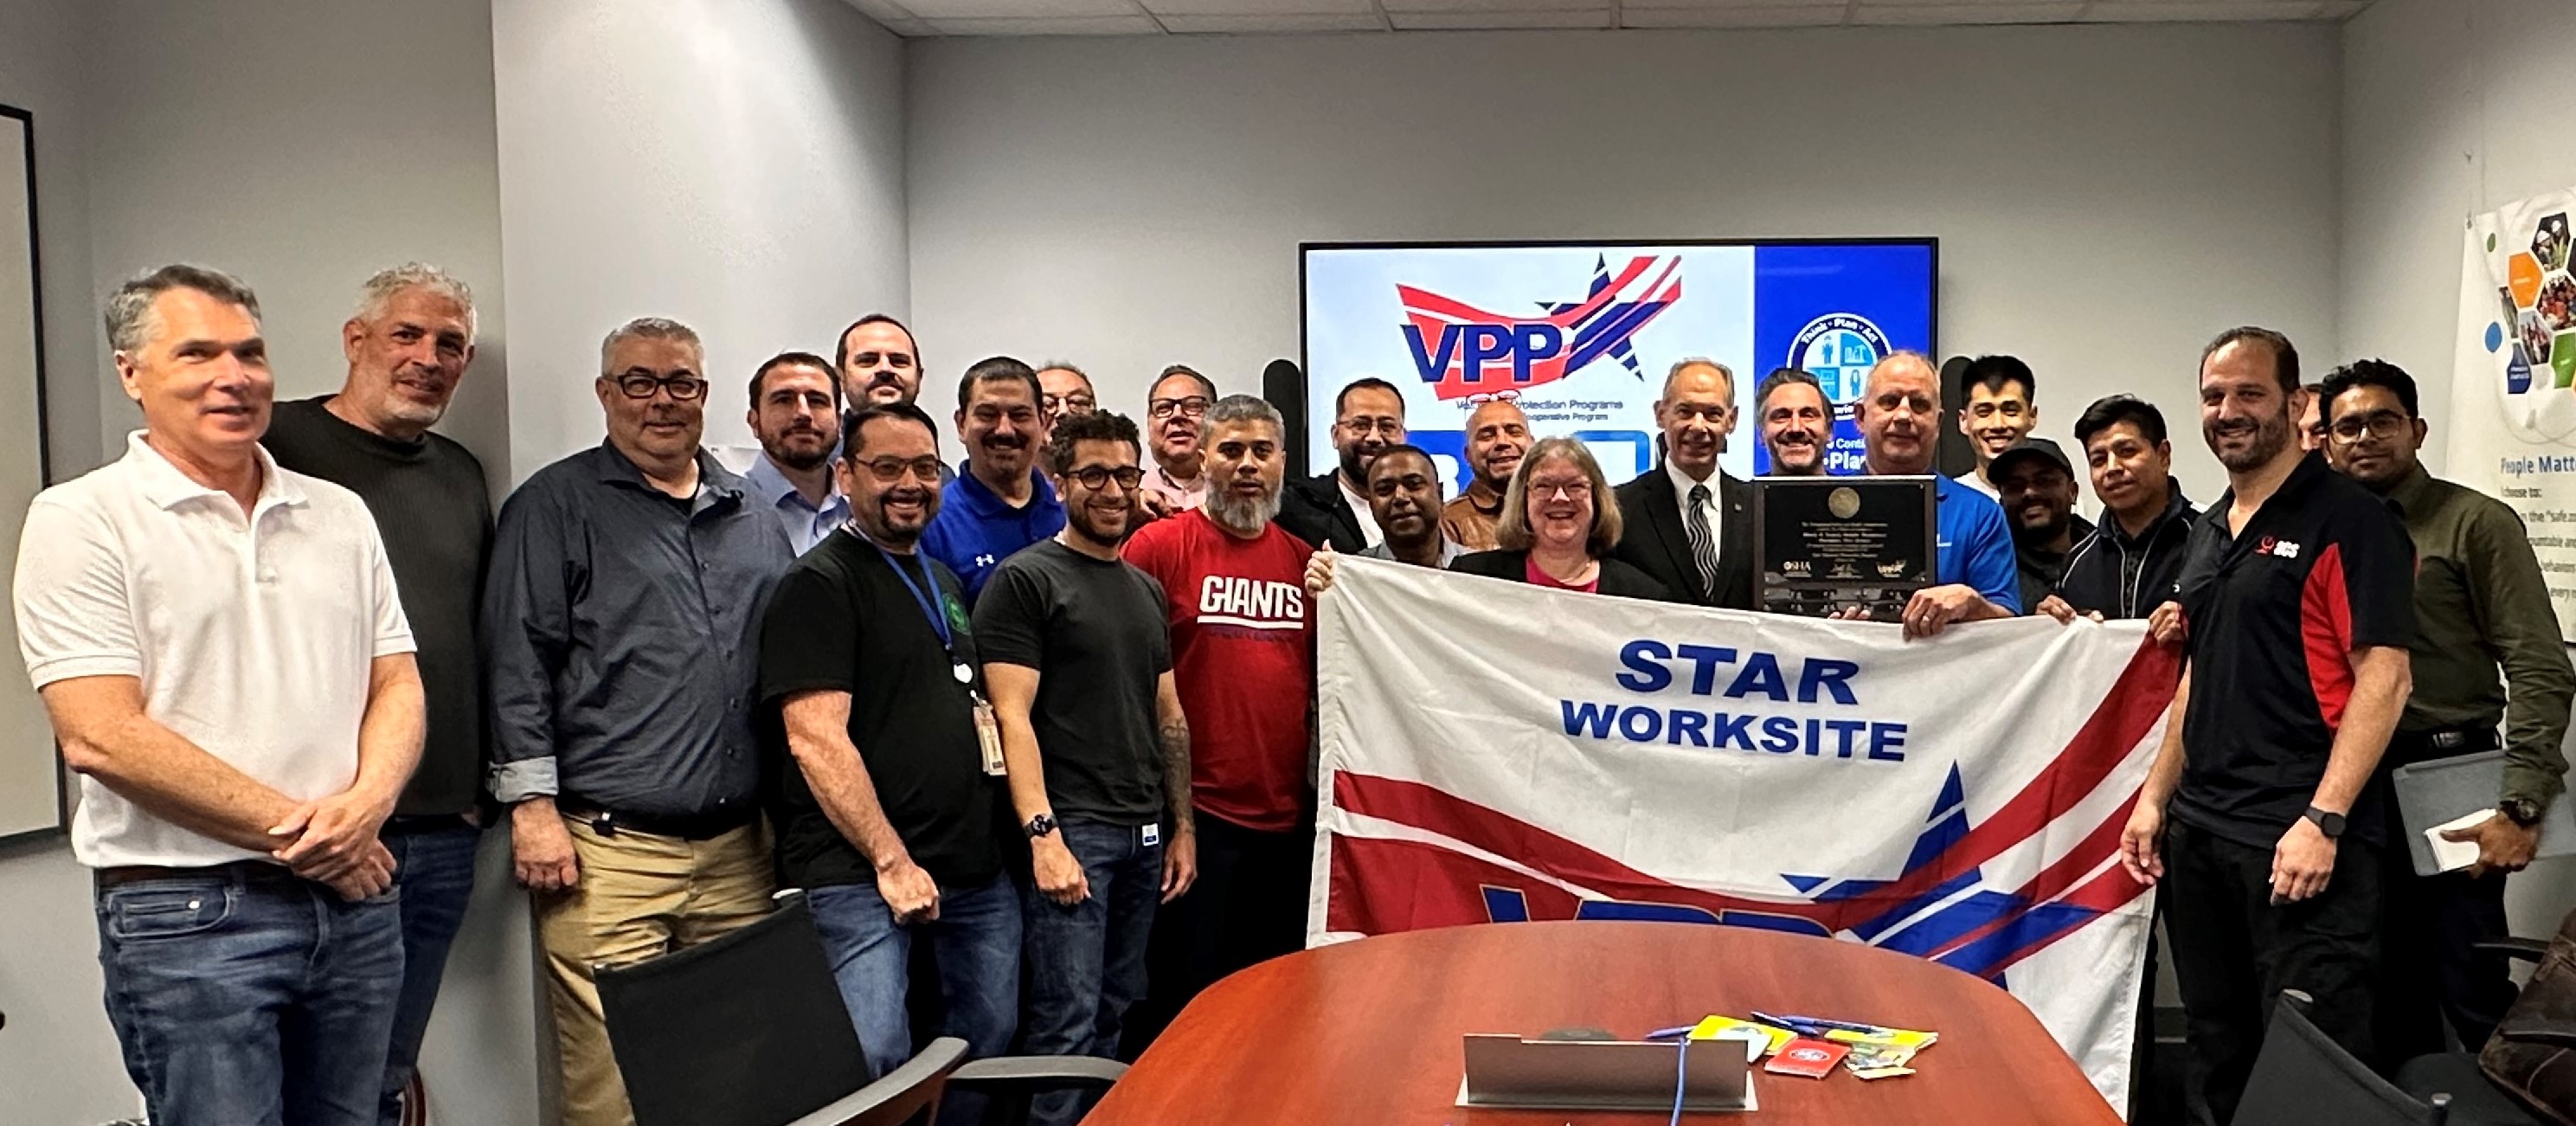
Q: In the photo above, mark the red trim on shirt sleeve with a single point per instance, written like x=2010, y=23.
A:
x=2325, y=633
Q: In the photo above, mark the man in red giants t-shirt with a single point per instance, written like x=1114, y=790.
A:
x=1243, y=655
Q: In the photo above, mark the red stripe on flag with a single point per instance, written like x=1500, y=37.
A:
x=1412, y=886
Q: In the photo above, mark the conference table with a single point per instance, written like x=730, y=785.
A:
x=1369, y=1032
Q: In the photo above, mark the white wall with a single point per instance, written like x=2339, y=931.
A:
x=2448, y=111
x=2107, y=197
x=736, y=165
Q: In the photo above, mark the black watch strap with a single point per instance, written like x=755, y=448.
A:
x=2330, y=824
x=1039, y=826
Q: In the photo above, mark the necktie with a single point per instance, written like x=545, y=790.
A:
x=1703, y=545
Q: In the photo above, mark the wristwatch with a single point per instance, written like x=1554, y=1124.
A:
x=1039, y=826
x=2521, y=811
x=2330, y=824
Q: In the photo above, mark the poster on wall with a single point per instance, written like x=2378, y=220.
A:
x=1581, y=335
x=31, y=791
x=2513, y=385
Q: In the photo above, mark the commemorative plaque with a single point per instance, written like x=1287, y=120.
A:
x=1825, y=543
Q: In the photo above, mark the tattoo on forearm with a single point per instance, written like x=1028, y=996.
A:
x=1176, y=770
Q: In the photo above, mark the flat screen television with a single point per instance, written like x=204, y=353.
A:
x=1581, y=334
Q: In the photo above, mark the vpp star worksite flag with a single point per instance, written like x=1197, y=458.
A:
x=1495, y=752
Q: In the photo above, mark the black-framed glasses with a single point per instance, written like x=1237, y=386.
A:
x=2382, y=425
x=683, y=388
x=1196, y=406
x=889, y=470
x=1098, y=476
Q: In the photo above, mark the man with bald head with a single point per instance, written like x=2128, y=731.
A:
x=1690, y=524
x=1497, y=435
x=1977, y=575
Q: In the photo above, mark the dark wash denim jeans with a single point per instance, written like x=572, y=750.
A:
x=1086, y=963
x=251, y=1000
x=435, y=873
x=975, y=939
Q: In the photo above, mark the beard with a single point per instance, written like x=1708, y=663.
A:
x=793, y=457
x=1356, y=458
x=1243, y=514
x=1091, y=527
x=2271, y=436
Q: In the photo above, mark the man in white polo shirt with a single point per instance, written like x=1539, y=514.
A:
x=219, y=645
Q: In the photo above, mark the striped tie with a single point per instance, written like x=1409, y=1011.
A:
x=1703, y=545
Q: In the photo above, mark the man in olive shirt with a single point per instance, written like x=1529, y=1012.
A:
x=2480, y=606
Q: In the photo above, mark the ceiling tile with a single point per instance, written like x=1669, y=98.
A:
x=1837, y=6
x=1633, y=15
x=2171, y=11
x=1016, y=9
x=1397, y=6
x=1065, y=25
x=1487, y=21
x=1262, y=25
x=1880, y=12
x=1255, y=7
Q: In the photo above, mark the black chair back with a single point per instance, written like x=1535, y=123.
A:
x=745, y=1030
x=2304, y=1078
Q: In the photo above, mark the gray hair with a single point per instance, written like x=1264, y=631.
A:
x=1205, y=384
x=381, y=289
x=1240, y=408
x=1688, y=362
x=129, y=309
x=647, y=328
x=1060, y=365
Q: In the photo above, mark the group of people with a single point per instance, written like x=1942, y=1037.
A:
x=1033, y=734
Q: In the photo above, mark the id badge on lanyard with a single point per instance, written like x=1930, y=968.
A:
x=988, y=726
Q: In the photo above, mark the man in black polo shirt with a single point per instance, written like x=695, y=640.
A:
x=888, y=817
x=2298, y=596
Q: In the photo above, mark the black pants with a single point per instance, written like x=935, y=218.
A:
x=2429, y=972
x=1248, y=905
x=2234, y=952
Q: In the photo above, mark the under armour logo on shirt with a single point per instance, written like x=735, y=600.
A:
x=985, y=560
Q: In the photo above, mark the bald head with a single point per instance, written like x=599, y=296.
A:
x=1898, y=407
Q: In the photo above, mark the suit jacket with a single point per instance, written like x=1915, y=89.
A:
x=1314, y=510
x=1655, y=541
x=1617, y=578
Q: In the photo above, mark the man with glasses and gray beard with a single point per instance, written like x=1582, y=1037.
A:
x=1243, y=654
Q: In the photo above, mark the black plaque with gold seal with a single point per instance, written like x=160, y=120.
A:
x=1825, y=543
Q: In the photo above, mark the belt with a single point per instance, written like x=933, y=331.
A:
x=2454, y=740
x=249, y=871
x=686, y=826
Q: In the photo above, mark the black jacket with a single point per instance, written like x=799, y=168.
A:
x=2119, y=577
x=1617, y=578
x=1313, y=510
x=1656, y=543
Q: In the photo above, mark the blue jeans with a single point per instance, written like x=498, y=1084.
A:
x=1086, y=962
x=435, y=870
x=251, y=999
x=977, y=942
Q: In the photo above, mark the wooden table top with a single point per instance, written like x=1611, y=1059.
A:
x=1368, y=1032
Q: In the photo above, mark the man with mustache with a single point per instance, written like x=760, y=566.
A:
x=1692, y=523
x=1497, y=435
x=2486, y=651
x=1331, y=508
x=878, y=362
x=1977, y=576
x=223, y=657
x=885, y=809
x=1081, y=671
x=2036, y=484
x=2258, y=814
x=1797, y=422
x=796, y=415
x=1000, y=504
x=621, y=632
x=1404, y=492
x=2000, y=407
x=408, y=347
x=1243, y=652
x=1173, y=407
x=1067, y=391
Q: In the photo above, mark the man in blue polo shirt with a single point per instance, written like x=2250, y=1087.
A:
x=1979, y=577
x=999, y=504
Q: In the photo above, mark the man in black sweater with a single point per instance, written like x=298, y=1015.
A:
x=1331, y=509
x=408, y=347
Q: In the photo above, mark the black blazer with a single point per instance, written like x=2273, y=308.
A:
x=1313, y=510
x=1617, y=578
x=1655, y=541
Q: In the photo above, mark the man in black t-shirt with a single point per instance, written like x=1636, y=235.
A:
x=1075, y=648
x=2298, y=599
x=884, y=810
x=408, y=347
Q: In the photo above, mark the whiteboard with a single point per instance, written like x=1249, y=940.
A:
x=31, y=797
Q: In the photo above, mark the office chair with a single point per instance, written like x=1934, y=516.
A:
x=2304, y=1078
x=2476, y=1100
x=749, y=1030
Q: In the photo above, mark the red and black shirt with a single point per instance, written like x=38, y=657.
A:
x=2324, y=567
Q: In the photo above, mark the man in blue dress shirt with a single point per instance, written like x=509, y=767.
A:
x=796, y=415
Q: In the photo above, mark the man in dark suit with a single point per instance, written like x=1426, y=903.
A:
x=1690, y=525
x=1331, y=509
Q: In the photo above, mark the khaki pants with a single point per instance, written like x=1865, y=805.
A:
x=640, y=895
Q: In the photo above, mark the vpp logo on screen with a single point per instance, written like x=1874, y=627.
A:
x=1458, y=348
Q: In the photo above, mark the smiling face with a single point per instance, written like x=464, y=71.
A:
x=406, y=360
x=1497, y=435
x=2244, y=412
x=2130, y=473
x=201, y=376
x=2038, y=496
x=1370, y=419
x=1997, y=417
x=1099, y=488
x=1696, y=414
x=1068, y=392
x=795, y=419
x=1003, y=428
x=1795, y=422
x=663, y=427
x=1559, y=503
x=891, y=475
x=1896, y=413
x=1172, y=411
x=1404, y=496
x=2372, y=438
x=880, y=364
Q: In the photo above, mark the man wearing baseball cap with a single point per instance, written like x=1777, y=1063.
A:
x=2036, y=485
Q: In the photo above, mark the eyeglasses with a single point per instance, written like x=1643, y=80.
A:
x=1573, y=490
x=2383, y=425
x=889, y=470
x=683, y=388
x=1193, y=407
x=1391, y=427
x=1505, y=396
x=1096, y=476
x=1077, y=403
